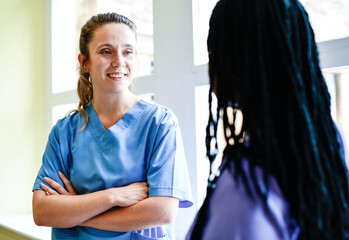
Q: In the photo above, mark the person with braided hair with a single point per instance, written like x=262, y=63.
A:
x=114, y=168
x=283, y=173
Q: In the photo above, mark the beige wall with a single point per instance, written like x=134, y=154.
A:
x=22, y=105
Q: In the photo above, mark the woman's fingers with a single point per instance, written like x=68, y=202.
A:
x=55, y=186
x=48, y=191
x=67, y=183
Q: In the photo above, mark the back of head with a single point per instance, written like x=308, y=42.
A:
x=260, y=48
x=264, y=61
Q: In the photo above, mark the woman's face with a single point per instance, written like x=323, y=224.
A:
x=112, y=63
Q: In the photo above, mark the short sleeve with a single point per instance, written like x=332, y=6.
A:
x=168, y=172
x=55, y=158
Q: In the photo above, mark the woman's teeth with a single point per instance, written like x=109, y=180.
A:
x=116, y=75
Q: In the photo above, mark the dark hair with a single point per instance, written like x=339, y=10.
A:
x=263, y=60
x=84, y=88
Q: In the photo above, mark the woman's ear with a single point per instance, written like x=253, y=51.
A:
x=83, y=63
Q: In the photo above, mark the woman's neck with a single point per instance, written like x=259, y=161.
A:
x=111, y=109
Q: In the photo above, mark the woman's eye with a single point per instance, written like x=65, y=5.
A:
x=128, y=52
x=106, y=52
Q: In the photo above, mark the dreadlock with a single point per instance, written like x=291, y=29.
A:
x=264, y=62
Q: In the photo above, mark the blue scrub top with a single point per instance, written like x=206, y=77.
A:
x=145, y=145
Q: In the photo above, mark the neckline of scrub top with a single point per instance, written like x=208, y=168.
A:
x=107, y=138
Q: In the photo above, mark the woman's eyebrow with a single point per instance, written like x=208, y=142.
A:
x=126, y=45
x=103, y=45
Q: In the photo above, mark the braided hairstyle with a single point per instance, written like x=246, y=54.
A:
x=84, y=88
x=263, y=61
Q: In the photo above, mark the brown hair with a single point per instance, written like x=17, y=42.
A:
x=84, y=88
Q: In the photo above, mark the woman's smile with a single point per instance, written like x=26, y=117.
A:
x=116, y=76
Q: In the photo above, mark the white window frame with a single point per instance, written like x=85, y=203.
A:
x=334, y=53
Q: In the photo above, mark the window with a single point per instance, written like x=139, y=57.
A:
x=329, y=18
x=202, y=112
x=201, y=15
x=338, y=83
x=60, y=111
x=330, y=21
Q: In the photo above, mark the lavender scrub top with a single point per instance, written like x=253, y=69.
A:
x=233, y=215
x=145, y=145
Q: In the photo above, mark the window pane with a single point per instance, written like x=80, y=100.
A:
x=201, y=115
x=201, y=16
x=68, y=16
x=331, y=82
x=329, y=18
x=64, y=51
x=61, y=111
x=339, y=97
x=148, y=97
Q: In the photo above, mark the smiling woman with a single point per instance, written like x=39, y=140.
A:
x=116, y=155
x=107, y=66
x=112, y=56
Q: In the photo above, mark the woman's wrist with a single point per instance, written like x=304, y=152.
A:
x=112, y=197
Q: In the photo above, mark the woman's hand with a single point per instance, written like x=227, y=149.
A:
x=68, y=188
x=131, y=194
x=123, y=196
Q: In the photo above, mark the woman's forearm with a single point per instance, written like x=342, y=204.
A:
x=62, y=208
x=64, y=211
x=151, y=212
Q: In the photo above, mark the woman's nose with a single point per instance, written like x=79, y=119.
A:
x=118, y=60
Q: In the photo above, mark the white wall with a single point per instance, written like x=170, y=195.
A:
x=22, y=105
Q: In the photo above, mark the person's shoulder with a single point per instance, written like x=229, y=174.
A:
x=155, y=107
x=159, y=112
x=249, y=215
x=72, y=122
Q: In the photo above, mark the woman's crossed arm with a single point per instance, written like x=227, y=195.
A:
x=60, y=207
